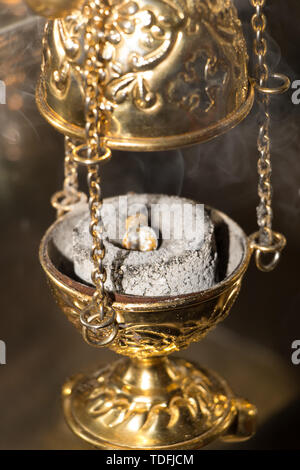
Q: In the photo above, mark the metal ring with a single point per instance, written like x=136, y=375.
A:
x=275, y=248
x=87, y=322
x=266, y=267
x=59, y=205
x=278, y=244
x=78, y=158
x=286, y=83
x=98, y=343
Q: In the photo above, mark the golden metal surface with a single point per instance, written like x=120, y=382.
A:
x=283, y=87
x=155, y=404
x=53, y=8
x=172, y=72
x=148, y=326
x=147, y=401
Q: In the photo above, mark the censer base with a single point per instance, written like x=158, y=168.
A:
x=157, y=403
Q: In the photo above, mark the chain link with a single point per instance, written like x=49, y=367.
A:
x=259, y=23
x=95, y=124
x=71, y=168
x=265, y=236
x=98, y=275
x=98, y=320
x=264, y=209
x=64, y=201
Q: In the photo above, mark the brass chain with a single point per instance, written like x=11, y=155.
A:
x=264, y=209
x=98, y=320
x=265, y=241
x=71, y=167
x=64, y=201
x=98, y=275
x=93, y=129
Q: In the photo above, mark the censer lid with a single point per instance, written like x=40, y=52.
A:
x=173, y=71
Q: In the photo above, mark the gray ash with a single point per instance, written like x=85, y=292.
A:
x=181, y=265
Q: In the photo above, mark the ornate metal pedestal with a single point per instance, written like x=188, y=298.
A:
x=156, y=403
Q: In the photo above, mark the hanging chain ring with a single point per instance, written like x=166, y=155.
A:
x=97, y=317
x=80, y=155
x=279, y=90
x=99, y=337
x=275, y=248
x=102, y=341
x=265, y=241
x=99, y=328
x=63, y=202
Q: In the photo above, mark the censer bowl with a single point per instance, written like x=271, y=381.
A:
x=149, y=401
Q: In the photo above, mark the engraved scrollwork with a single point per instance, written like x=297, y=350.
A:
x=166, y=68
x=157, y=30
x=66, y=34
x=60, y=78
x=207, y=74
x=158, y=35
x=148, y=340
x=204, y=68
x=118, y=407
x=194, y=332
x=226, y=30
x=70, y=305
x=118, y=91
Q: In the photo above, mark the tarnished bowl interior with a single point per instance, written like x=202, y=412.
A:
x=154, y=326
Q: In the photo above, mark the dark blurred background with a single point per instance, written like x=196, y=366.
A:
x=252, y=349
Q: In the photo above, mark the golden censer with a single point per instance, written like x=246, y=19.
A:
x=146, y=75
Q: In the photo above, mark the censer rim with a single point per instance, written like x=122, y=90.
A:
x=144, y=303
x=148, y=144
